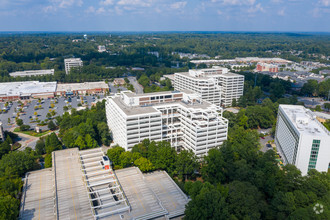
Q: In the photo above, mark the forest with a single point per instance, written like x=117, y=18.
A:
x=45, y=51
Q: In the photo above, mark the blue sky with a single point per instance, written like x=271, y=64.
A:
x=165, y=15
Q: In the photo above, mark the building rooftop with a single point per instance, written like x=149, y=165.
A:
x=152, y=108
x=26, y=88
x=79, y=187
x=32, y=73
x=81, y=86
x=304, y=120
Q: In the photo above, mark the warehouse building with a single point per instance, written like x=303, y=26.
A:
x=26, y=90
x=215, y=85
x=181, y=118
x=32, y=73
x=82, y=185
x=82, y=88
x=301, y=139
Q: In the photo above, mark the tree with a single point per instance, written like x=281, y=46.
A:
x=234, y=103
x=9, y=207
x=310, y=88
x=318, y=108
x=186, y=164
x=51, y=126
x=48, y=115
x=80, y=143
x=35, y=113
x=114, y=153
x=212, y=170
x=65, y=108
x=8, y=120
x=90, y=142
x=327, y=106
x=52, y=143
x=144, y=164
x=40, y=147
x=24, y=127
x=48, y=161
x=19, y=122
x=52, y=105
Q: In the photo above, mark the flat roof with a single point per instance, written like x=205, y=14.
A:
x=26, y=88
x=37, y=199
x=304, y=120
x=32, y=73
x=207, y=77
x=81, y=86
x=152, y=108
x=77, y=179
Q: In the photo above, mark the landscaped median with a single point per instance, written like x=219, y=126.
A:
x=31, y=133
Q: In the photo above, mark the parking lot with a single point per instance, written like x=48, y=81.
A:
x=28, y=109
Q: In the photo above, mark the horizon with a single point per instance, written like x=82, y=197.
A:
x=165, y=16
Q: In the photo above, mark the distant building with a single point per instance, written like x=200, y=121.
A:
x=137, y=69
x=26, y=90
x=261, y=67
x=302, y=139
x=2, y=134
x=72, y=62
x=181, y=118
x=119, y=82
x=215, y=85
x=32, y=73
x=324, y=71
x=101, y=48
x=81, y=88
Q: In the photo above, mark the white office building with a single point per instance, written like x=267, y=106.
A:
x=72, y=62
x=32, y=73
x=215, y=85
x=101, y=48
x=301, y=139
x=2, y=134
x=182, y=118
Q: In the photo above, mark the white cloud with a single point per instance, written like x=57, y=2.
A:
x=325, y=3
x=178, y=5
x=141, y=3
x=256, y=8
x=235, y=2
x=281, y=12
x=107, y=2
x=90, y=9
x=55, y=4
x=219, y=12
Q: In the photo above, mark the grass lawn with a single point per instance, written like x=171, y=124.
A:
x=31, y=133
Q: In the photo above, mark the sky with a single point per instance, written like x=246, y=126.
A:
x=165, y=15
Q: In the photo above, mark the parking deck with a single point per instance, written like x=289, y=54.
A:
x=82, y=185
x=37, y=199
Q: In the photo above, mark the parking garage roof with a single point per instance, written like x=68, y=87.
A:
x=64, y=191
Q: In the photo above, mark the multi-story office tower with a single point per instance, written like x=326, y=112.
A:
x=215, y=85
x=302, y=139
x=182, y=118
x=2, y=135
x=72, y=62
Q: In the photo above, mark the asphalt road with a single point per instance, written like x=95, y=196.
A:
x=138, y=88
x=263, y=142
x=28, y=110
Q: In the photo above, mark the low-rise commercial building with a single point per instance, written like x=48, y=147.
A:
x=32, y=73
x=72, y=63
x=26, y=90
x=215, y=85
x=82, y=88
x=262, y=67
x=301, y=139
x=181, y=118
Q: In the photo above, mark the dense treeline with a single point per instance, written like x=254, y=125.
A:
x=151, y=155
x=44, y=51
x=86, y=128
x=313, y=88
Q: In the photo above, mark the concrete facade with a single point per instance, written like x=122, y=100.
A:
x=302, y=139
x=72, y=62
x=181, y=118
x=215, y=85
x=82, y=88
